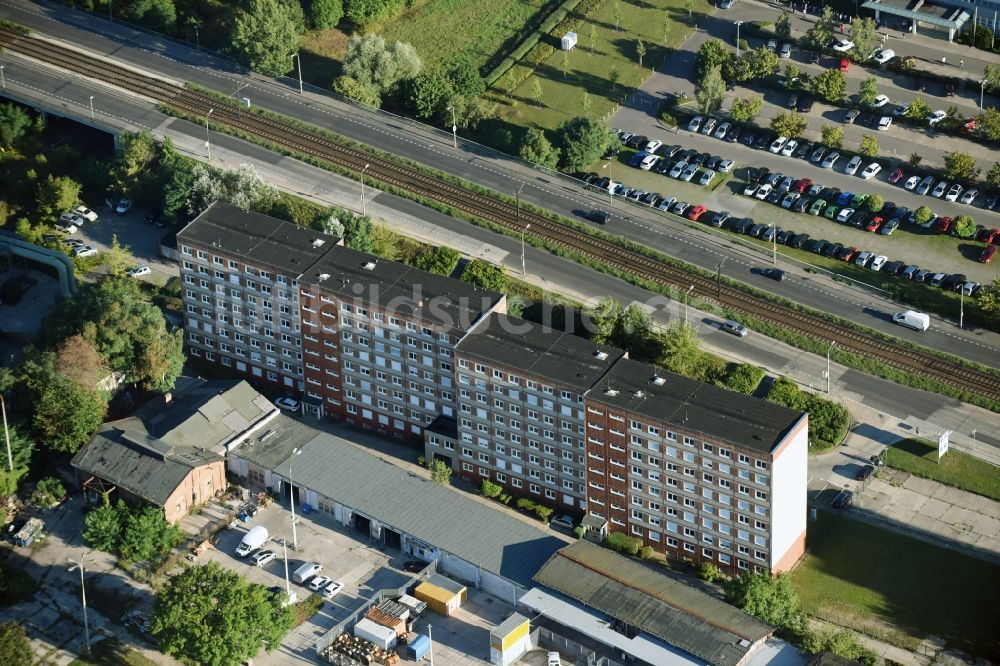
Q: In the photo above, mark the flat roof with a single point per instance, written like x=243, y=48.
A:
x=695, y=406
x=397, y=288
x=407, y=502
x=271, y=444
x=534, y=349
x=257, y=238
x=633, y=593
x=925, y=12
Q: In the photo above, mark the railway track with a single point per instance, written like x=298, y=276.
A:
x=296, y=139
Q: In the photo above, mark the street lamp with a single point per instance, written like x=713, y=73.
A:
x=718, y=276
x=363, y=209
x=298, y=59
x=3, y=81
x=738, y=24
x=829, y=349
x=208, y=143
x=430, y=642
x=961, y=306
x=982, y=92
x=526, y=227
x=973, y=439
x=197, y=37
x=687, y=294
x=83, y=594
x=6, y=434
x=91, y=108
x=611, y=182
x=291, y=497
x=454, y=127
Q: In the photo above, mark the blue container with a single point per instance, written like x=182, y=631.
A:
x=418, y=648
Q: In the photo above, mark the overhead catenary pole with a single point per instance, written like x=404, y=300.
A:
x=298, y=59
x=6, y=434
x=430, y=640
x=829, y=349
x=523, y=231
x=961, y=307
x=718, y=277
x=364, y=211
x=454, y=127
x=3, y=81
x=208, y=142
x=91, y=108
x=687, y=297
x=83, y=596
x=197, y=38
x=291, y=498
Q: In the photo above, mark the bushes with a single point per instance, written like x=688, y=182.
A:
x=623, y=543
x=490, y=489
x=744, y=378
x=542, y=512
x=828, y=421
x=708, y=572
x=49, y=491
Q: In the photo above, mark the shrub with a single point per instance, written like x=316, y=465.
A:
x=744, y=378
x=525, y=504
x=668, y=119
x=579, y=531
x=623, y=543
x=544, y=513
x=490, y=489
x=646, y=552
x=707, y=571
x=48, y=491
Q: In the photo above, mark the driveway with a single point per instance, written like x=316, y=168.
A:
x=142, y=239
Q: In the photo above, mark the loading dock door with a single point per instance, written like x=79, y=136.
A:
x=362, y=525
x=393, y=539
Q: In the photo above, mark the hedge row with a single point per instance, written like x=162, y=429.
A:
x=828, y=420
x=542, y=512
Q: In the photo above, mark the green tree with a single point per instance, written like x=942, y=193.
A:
x=15, y=648
x=440, y=472
x=379, y=69
x=793, y=76
x=465, y=79
x=613, y=76
x=102, y=527
x=789, y=124
x=146, y=535
x=326, y=14
x=14, y=123
x=679, y=350
x=351, y=88
x=830, y=86
x=56, y=194
x=831, y=136
x=592, y=36
x=586, y=103
x=689, y=6
x=118, y=258
x=762, y=62
x=842, y=642
x=988, y=123
x=640, y=50
x=965, y=226
x=821, y=33
x=922, y=215
x=745, y=109
x=868, y=147
x=160, y=15
x=960, y=166
x=216, y=617
x=989, y=298
x=486, y=275
x=47, y=492
x=616, y=14
x=358, y=232
x=993, y=175
x=666, y=24
x=490, y=489
x=783, y=27
x=536, y=148
x=264, y=36
x=67, y=414
x=535, y=92
x=868, y=91
x=918, y=110
x=865, y=37
x=430, y=93
x=769, y=598
x=439, y=259
x=915, y=159
x=712, y=53
x=874, y=202
x=583, y=141
x=710, y=91
x=385, y=243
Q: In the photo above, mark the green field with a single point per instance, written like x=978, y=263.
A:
x=956, y=469
x=898, y=588
x=562, y=95
x=443, y=29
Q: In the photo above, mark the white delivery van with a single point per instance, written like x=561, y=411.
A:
x=306, y=571
x=918, y=321
x=253, y=540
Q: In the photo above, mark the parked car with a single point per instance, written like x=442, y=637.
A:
x=818, y=154
x=706, y=177
x=940, y=189
x=777, y=144
x=878, y=262
x=805, y=104
x=889, y=227
x=925, y=185
x=953, y=192
x=830, y=160
x=785, y=51
x=124, y=206
x=287, y=403
x=969, y=196
x=65, y=227
x=333, y=589
x=871, y=170
x=319, y=582
x=880, y=101
x=139, y=271
x=720, y=131
x=563, y=521
x=884, y=55
x=262, y=557
x=695, y=212
x=911, y=183
x=936, y=117
x=986, y=256
x=841, y=45
x=789, y=148
x=86, y=213
x=708, y=125
x=84, y=251
x=853, y=166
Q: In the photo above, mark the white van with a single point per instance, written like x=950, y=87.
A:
x=306, y=571
x=253, y=540
x=918, y=321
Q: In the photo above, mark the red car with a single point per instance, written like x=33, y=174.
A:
x=844, y=64
x=874, y=224
x=849, y=254
x=944, y=224
x=987, y=255
x=801, y=186
x=988, y=235
x=696, y=212
x=896, y=175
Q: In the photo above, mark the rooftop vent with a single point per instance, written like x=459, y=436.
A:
x=611, y=392
x=658, y=380
x=318, y=242
x=369, y=265
x=638, y=394
x=267, y=435
x=601, y=355
x=324, y=276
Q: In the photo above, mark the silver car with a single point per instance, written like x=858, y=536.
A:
x=830, y=160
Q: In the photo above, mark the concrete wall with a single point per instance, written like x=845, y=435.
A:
x=788, y=492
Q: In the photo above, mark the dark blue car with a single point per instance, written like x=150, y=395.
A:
x=845, y=198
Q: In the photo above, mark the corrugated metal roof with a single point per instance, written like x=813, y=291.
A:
x=509, y=625
x=658, y=605
x=445, y=583
x=431, y=592
x=437, y=515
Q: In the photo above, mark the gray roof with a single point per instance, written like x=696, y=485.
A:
x=400, y=289
x=410, y=503
x=445, y=583
x=151, y=452
x=694, y=406
x=557, y=356
x=509, y=625
x=272, y=444
x=635, y=594
x=259, y=239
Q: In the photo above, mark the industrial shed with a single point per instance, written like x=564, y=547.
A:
x=442, y=595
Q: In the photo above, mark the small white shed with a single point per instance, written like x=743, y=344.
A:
x=568, y=41
x=384, y=637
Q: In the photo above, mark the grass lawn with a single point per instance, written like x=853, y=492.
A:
x=873, y=579
x=111, y=652
x=957, y=469
x=562, y=95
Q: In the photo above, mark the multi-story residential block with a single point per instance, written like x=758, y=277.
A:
x=520, y=408
x=239, y=275
x=696, y=471
x=379, y=338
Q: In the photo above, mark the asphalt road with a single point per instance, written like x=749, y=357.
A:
x=423, y=144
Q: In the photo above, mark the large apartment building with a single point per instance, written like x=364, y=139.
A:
x=520, y=418
x=696, y=471
x=379, y=338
